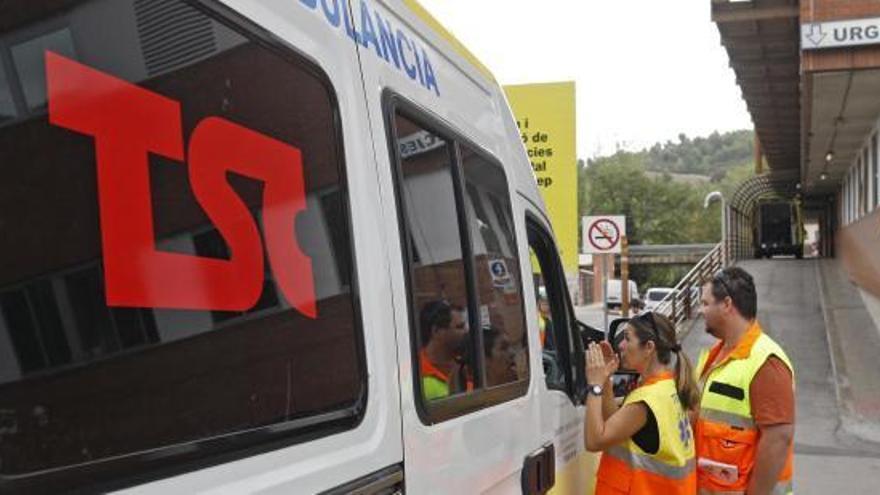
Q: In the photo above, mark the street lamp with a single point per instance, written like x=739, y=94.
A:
x=711, y=198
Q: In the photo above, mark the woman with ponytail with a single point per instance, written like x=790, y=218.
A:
x=647, y=443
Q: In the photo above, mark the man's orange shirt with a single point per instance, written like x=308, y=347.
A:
x=772, y=394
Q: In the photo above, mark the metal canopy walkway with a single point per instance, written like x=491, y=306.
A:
x=742, y=206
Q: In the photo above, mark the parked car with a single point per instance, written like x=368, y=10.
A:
x=654, y=295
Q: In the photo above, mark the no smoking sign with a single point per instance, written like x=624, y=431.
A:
x=602, y=233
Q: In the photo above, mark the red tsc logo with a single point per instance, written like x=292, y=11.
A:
x=127, y=122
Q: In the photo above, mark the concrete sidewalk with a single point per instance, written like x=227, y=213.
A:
x=853, y=334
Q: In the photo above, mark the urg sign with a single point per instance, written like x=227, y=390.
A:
x=853, y=32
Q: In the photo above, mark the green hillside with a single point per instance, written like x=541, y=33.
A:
x=711, y=155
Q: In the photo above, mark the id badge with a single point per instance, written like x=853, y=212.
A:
x=724, y=473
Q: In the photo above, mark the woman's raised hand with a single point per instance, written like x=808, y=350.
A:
x=601, y=363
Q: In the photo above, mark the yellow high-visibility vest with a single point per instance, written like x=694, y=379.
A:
x=626, y=468
x=726, y=432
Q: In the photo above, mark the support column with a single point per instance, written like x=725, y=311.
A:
x=759, y=156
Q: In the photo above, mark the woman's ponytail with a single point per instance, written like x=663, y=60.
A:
x=684, y=380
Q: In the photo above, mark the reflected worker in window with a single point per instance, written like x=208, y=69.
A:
x=443, y=329
x=501, y=366
x=545, y=321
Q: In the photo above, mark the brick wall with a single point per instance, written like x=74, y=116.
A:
x=829, y=10
x=866, y=57
x=857, y=246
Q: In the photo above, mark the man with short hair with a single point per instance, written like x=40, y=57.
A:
x=442, y=328
x=745, y=422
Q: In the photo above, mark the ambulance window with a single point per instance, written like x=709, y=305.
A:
x=496, y=264
x=438, y=282
x=185, y=294
x=27, y=57
x=210, y=244
x=7, y=103
x=558, y=347
x=550, y=359
x=466, y=304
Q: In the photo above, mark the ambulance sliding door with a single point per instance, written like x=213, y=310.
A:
x=469, y=418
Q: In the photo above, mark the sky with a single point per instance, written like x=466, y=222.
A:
x=644, y=70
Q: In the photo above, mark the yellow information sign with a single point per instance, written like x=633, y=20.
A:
x=545, y=115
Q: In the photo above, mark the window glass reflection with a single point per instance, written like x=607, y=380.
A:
x=446, y=360
x=7, y=103
x=29, y=63
x=497, y=268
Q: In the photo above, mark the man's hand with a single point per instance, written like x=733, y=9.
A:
x=772, y=452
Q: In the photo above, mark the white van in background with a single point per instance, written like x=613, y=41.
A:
x=615, y=293
x=234, y=231
x=655, y=295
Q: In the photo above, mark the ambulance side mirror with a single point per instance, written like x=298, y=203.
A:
x=615, y=333
x=589, y=334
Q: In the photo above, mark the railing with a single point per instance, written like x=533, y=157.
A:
x=671, y=254
x=680, y=305
x=671, y=249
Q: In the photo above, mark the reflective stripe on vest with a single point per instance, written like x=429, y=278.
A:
x=781, y=488
x=647, y=462
x=626, y=468
x=725, y=430
x=732, y=419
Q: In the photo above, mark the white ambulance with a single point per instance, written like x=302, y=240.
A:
x=273, y=246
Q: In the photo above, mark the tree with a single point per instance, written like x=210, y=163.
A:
x=661, y=210
x=701, y=155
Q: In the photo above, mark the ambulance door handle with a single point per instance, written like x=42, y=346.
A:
x=539, y=471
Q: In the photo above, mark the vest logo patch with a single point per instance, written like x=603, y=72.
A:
x=684, y=431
